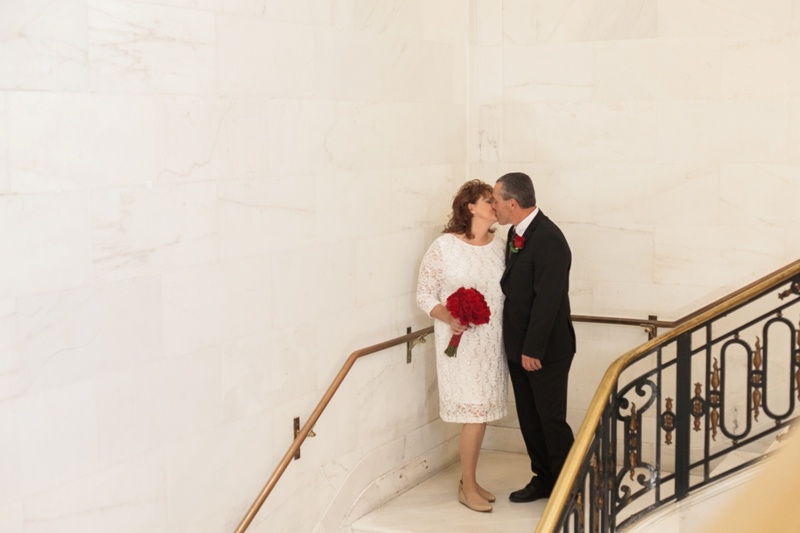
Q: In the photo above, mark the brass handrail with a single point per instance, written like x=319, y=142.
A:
x=654, y=322
x=583, y=440
x=303, y=433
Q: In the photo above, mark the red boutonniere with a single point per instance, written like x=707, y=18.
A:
x=469, y=307
x=517, y=244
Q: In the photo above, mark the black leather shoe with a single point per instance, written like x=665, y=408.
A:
x=531, y=492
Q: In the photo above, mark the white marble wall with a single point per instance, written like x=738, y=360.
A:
x=662, y=135
x=205, y=206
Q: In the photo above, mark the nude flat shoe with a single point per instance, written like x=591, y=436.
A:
x=485, y=494
x=481, y=506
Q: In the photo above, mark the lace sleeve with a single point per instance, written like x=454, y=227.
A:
x=430, y=279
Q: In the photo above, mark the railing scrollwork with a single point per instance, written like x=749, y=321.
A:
x=726, y=379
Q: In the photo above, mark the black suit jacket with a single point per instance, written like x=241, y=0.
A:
x=536, y=313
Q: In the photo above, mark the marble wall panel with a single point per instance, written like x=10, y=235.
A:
x=193, y=494
x=73, y=335
x=354, y=205
x=526, y=22
x=48, y=237
x=420, y=198
x=313, y=281
x=609, y=253
x=490, y=76
x=408, y=62
x=352, y=66
x=563, y=191
x=44, y=46
x=389, y=17
x=192, y=309
x=795, y=20
x=712, y=256
x=5, y=182
x=138, y=47
x=735, y=131
x=124, y=498
x=388, y=266
x=10, y=383
x=657, y=193
x=520, y=22
x=794, y=130
x=252, y=372
x=259, y=57
x=595, y=131
x=627, y=70
x=663, y=69
x=258, y=217
x=299, y=133
x=238, y=7
x=743, y=19
x=207, y=304
x=144, y=409
x=334, y=342
x=446, y=21
x=761, y=195
x=548, y=73
x=461, y=74
x=488, y=133
x=518, y=139
x=761, y=69
x=12, y=518
x=689, y=68
x=382, y=418
x=247, y=305
x=385, y=135
x=792, y=245
x=488, y=22
x=319, y=13
x=32, y=424
x=74, y=141
x=209, y=138
x=146, y=230
x=593, y=358
x=624, y=299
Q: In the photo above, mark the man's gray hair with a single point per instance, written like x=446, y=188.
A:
x=518, y=186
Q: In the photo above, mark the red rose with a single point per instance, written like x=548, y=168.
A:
x=517, y=244
x=468, y=306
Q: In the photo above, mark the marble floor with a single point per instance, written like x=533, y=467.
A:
x=433, y=507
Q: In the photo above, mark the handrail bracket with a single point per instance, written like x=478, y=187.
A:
x=413, y=342
x=297, y=432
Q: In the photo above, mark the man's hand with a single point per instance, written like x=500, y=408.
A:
x=531, y=364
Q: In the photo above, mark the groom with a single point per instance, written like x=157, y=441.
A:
x=537, y=330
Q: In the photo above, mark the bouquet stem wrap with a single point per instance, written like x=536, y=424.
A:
x=468, y=306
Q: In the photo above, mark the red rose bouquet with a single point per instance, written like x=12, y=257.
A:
x=468, y=306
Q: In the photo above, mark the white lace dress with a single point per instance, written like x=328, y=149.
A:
x=473, y=385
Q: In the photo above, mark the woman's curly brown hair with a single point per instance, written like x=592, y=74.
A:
x=461, y=219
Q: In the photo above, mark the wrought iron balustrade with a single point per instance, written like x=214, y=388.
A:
x=686, y=409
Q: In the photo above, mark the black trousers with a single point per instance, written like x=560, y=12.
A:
x=541, y=398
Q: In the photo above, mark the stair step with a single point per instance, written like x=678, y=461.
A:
x=433, y=507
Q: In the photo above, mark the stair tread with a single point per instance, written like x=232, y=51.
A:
x=432, y=506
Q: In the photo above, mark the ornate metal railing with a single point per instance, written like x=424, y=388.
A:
x=685, y=409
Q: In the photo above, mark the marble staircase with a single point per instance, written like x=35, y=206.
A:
x=433, y=507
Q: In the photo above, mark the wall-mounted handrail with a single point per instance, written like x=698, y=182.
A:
x=669, y=324
x=303, y=433
x=651, y=324
x=583, y=440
